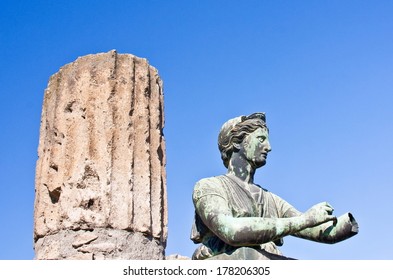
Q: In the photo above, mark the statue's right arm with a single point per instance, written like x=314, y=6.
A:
x=248, y=231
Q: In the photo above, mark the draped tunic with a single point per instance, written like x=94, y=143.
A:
x=237, y=201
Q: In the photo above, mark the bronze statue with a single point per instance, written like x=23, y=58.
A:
x=237, y=219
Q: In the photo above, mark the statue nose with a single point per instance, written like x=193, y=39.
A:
x=267, y=147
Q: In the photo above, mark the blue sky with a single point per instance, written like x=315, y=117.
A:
x=321, y=70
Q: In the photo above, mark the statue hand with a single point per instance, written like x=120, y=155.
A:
x=319, y=214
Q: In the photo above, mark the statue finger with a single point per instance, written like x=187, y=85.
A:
x=329, y=206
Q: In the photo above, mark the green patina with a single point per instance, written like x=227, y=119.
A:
x=235, y=218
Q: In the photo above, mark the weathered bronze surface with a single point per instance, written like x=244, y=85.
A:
x=237, y=219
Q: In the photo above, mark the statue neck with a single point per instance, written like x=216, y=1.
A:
x=238, y=166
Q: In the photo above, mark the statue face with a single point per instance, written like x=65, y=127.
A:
x=255, y=147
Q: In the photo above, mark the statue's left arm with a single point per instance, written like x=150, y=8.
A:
x=330, y=232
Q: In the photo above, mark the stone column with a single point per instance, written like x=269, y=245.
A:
x=100, y=176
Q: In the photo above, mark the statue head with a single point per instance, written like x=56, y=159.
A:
x=235, y=130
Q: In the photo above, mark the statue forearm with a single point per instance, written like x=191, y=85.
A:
x=345, y=227
x=249, y=231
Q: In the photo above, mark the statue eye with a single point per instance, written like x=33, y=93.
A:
x=261, y=139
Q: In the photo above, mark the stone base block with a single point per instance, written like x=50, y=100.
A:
x=98, y=244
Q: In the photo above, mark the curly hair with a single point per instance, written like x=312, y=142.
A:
x=235, y=130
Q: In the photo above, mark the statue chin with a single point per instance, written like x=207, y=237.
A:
x=259, y=163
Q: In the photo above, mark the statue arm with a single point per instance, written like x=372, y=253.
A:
x=331, y=232
x=248, y=231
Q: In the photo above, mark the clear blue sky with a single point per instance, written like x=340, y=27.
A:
x=321, y=70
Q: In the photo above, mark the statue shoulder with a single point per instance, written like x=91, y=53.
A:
x=209, y=186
